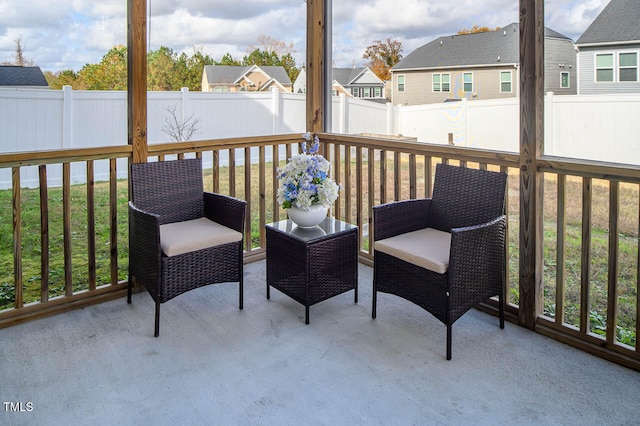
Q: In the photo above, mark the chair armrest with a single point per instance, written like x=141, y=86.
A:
x=399, y=217
x=477, y=257
x=144, y=245
x=225, y=210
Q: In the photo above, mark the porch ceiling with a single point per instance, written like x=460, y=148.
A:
x=215, y=364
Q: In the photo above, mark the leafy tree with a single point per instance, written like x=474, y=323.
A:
x=383, y=55
x=161, y=71
x=477, y=29
x=61, y=78
x=190, y=68
x=227, y=59
x=109, y=74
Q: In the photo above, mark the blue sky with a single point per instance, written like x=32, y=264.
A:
x=68, y=34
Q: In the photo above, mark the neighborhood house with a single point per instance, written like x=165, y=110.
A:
x=480, y=65
x=254, y=78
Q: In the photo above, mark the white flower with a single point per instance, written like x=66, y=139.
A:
x=305, y=181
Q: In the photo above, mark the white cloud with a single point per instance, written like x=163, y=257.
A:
x=72, y=33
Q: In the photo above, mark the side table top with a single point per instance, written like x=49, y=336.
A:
x=329, y=226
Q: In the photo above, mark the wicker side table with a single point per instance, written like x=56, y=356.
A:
x=312, y=265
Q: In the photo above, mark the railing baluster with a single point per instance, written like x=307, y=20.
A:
x=275, y=156
x=338, y=179
x=372, y=198
x=347, y=183
x=262, y=171
x=247, y=197
x=428, y=175
x=561, y=244
x=612, y=269
x=44, y=233
x=232, y=172
x=66, y=225
x=383, y=177
x=17, y=238
x=585, y=260
x=359, y=195
x=113, y=215
x=215, y=173
x=397, y=178
x=91, y=226
x=413, y=177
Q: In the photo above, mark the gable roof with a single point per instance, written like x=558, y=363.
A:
x=13, y=75
x=619, y=21
x=491, y=48
x=229, y=74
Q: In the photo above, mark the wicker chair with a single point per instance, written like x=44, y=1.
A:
x=180, y=237
x=446, y=253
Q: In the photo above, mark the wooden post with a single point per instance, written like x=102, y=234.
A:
x=315, y=61
x=137, y=78
x=531, y=147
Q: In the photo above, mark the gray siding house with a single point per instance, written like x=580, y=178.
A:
x=13, y=76
x=478, y=66
x=609, y=51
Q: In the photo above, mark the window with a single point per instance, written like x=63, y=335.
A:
x=441, y=82
x=377, y=92
x=366, y=92
x=564, y=80
x=628, y=66
x=505, y=81
x=604, y=67
x=355, y=91
x=401, y=83
x=467, y=82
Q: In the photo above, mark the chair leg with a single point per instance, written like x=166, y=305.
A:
x=241, y=289
x=501, y=310
x=374, y=301
x=448, y=342
x=156, y=333
x=129, y=288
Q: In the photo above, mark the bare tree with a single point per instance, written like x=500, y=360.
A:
x=20, y=60
x=179, y=130
x=271, y=45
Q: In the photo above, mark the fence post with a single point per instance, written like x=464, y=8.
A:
x=343, y=114
x=548, y=124
x=465, y=114
x=390, y=119
x=67, y=117
x=185, y=103
x=275, y=110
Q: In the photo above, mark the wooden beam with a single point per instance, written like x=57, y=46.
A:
x=531, y=147
x=137, y=78
x=314, y=66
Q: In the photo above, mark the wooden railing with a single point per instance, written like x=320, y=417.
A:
x=371, y=172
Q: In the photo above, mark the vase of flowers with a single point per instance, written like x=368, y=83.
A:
x=306, y=191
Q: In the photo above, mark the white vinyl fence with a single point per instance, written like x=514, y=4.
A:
x=596, y=127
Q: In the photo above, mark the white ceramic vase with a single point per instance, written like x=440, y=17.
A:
x=308, y=218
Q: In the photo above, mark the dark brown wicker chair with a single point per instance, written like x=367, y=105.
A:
x=180, y=237
x=412, y=258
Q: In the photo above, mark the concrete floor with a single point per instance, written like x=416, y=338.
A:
x=214, y=364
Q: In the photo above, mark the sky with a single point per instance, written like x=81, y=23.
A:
x=67, y=34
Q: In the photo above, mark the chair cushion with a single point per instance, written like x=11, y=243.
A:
x=428, y=248
x=192, y=235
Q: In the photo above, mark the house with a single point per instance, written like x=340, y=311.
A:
x=253, y=78
x=353, y=82
x=478, y=66
x=609, y=50
x=14, y=76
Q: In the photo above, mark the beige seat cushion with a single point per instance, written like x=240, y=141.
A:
x=191, y=235
x=428, y=248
